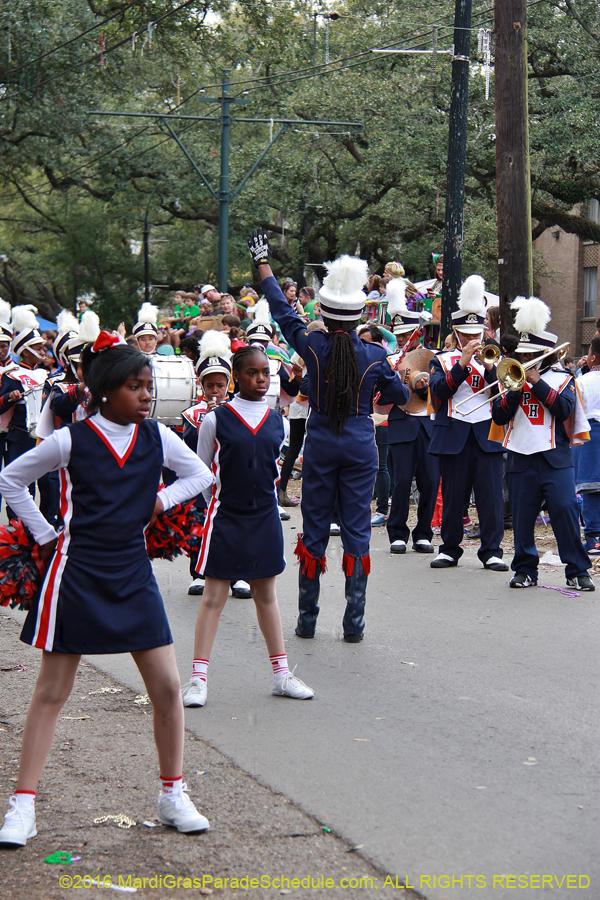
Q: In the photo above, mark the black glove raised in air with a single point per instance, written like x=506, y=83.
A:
x=258, y=245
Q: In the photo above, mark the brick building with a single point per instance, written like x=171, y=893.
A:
x=573, y=291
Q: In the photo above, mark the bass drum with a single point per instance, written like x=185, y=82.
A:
x=174, y=388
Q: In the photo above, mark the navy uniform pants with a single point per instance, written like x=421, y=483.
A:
x=472, y=469
x=526, y=490
x=412, y=459
x=338, y=470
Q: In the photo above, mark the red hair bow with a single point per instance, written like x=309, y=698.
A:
x=105, y=340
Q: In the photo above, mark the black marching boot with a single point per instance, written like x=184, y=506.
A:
x=356, y=596
x=308, y=602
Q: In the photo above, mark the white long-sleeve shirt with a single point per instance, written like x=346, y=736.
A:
x=589, y=385
x=251, y=412
x=55, y=452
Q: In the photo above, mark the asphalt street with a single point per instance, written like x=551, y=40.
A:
x=459, y=739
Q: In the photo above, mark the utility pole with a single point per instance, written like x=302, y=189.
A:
x=147, y=247
x=455, y=177
x=513, y=185
x=224, y=186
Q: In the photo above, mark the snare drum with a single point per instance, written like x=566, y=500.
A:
x=174, y=388
x=33, y=407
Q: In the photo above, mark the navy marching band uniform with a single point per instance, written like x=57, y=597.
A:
x=336, y=470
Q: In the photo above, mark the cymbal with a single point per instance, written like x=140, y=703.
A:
x=414, y=362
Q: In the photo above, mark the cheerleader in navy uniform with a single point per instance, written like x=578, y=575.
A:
x=340, y=456
x=241, y=442
x=99, y=594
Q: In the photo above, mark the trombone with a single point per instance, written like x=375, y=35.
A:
x=512, y=374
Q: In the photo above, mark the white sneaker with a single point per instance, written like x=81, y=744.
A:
x=196, y=588
x=241, y=590
x=19, y=825
x=180, y=813
x=334, y=528
x=398, y=547
x=289, y=686
x=194, y=693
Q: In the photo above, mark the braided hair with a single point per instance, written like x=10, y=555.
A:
x=341, y=374
x=245, y=353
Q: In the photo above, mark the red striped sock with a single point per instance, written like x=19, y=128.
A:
x=171, y=786
x=200, y=669
x=280, y=666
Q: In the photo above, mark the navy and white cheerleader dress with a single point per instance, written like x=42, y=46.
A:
x=99, y=593
x=243, y=538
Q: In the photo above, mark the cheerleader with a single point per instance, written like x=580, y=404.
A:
x=145, y=330
x=340, y=457
x=241, y=442
x=99, y=594
x=214, y=373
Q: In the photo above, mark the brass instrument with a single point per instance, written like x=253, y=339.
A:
x=512, y=374
x=488, y=354
x=411, y=369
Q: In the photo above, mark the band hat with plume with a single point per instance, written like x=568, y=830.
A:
x=89, y=329
x=470, y=315
x=215, y=354
x=147, y=319
x=342, y=296
x=261, y=328
x=5, y=329
x=25, y=327
x=530, y=321
x=68, y=328
x=403, y=319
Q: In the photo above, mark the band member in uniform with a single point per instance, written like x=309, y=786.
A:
x=468, y=459
x=145, y=330
x=6, y=362
x=340, y=457
x=409, y=433
x=540, y=421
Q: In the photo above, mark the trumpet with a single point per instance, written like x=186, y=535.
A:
x=488, y=354
x=512, y=374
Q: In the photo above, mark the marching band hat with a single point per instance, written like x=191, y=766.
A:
x=341, y=296
x=215, y=354
x=146, y=323
x=470, y=315
x=530, y=321
x=261, y=328
x=5, y=330
x=68, y=328
x=403, y=319
x=25, y=327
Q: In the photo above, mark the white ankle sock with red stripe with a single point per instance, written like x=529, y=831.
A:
x=171, y=787
x=25, y=799
x=200, y=669
x=280, y=666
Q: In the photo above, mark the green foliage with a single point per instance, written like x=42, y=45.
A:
x=75, y=185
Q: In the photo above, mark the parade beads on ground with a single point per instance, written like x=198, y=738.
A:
x=21, y=569
x=176, y=531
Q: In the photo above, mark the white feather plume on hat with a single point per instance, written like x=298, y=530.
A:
x=532, y=315
x=66, y=321
x=89, y=327
x=215, y=343
x=346, y=275
x=4, y=312
x=23, y=317
x=471, y=298
x=262, y=313
x=148, y=314
x=395, y=291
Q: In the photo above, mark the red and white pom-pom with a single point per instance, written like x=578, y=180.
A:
x=177, y=531
x=21, y=569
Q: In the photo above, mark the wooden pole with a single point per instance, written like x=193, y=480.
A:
x=455, y=179
x=513, y=185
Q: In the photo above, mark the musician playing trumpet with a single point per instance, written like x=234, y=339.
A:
x=542, y=417
x=468, y=460
x=409, y=430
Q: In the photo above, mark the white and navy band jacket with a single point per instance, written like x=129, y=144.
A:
x=339, y=473
x=21, y=378
x=449, y=384
x=537, y=418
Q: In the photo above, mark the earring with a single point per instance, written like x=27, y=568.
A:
x=104, y=399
